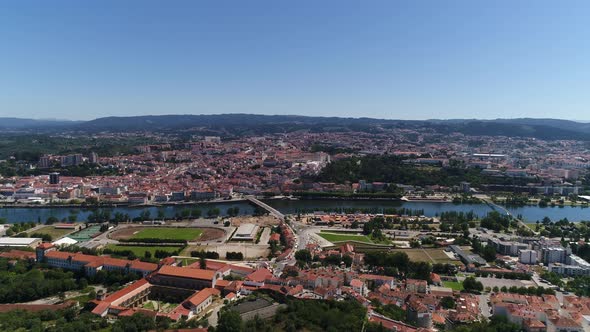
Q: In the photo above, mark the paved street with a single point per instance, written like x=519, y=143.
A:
x=484, y=308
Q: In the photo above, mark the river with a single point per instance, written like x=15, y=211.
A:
x=23, y=214
x=530, y=213
x=431, y=209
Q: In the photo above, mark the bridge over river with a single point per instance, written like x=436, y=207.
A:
x=274, y=212
x=502, y=209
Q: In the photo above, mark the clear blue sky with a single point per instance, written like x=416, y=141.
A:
x=385, y=59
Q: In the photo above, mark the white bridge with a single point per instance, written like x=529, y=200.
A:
x=274, y=212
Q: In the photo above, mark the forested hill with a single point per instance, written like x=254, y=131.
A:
x=249, y=124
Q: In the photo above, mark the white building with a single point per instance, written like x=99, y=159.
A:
x=246, y=232
x=19, y=242
x=577, y=261
x=569, y=270
x=528, y=256
x=554, y=255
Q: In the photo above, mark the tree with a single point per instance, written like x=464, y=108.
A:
x=137, y=322
x=145, y=215
x=447, y=302
x=489, y=253
x=202, y=263
x=52, y=220
x=233, y=211
x=213, y=212
x=472, y=285
x=229, y=321
x=303, y=255
x=196, y=213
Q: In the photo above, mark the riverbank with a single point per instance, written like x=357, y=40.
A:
x=120, y=204
x=430, y=209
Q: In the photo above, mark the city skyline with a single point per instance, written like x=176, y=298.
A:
x=389, y=60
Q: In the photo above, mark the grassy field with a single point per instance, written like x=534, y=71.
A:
x=168, y=233
x=427, y=255
x=139, y=251
x=533, y=226
x=52, y=231
x=333, y=237
x=454, y=285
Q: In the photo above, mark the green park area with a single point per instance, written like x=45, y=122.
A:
x=168, y=233
x=339, y=237
x=139, y=251
x=454, y=285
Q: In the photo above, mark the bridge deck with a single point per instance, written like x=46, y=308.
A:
x=267, y=207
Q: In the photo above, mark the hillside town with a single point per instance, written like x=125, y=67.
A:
x=208, y=168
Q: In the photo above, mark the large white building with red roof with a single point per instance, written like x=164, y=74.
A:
x=91, y=264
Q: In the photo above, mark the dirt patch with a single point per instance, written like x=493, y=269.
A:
x=124, y=233
x=250, y=251
x=211, y=234
x=261, y=221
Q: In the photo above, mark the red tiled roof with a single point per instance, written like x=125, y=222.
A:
x=202, y=296
x=356, y=283
x=167, y=261
x=239, y=268
x=126, y=290
x=131, y=312
x=564, y=322
x=375, y=277
x=45, y=245
x=101, y=308
x=259, y=275
x=18, y=254
x=182, y=272
x=221, y=283
x=211, y=265
x=143, y=266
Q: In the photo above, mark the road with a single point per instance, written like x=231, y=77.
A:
x=214, y=316
x=484, y=308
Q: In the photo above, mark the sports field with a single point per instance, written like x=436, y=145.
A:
x=167, y=233
x=334, y=237
x=139, y=251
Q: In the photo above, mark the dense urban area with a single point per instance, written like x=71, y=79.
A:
x=185, y=229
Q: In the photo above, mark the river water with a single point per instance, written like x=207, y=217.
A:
x=530, y=213
x=431, y=209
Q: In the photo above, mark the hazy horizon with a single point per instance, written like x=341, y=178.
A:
x=237, y=113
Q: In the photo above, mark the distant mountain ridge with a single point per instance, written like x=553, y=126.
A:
x=244, y=124
x=18, y=123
